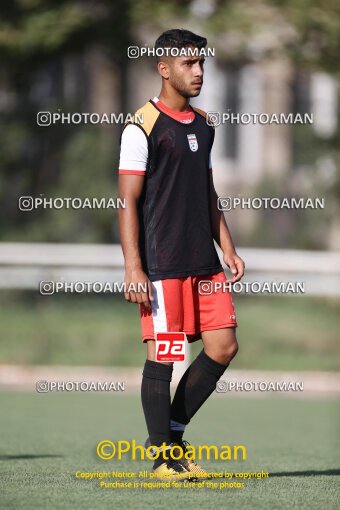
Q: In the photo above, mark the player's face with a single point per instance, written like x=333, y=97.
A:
x=186, y=75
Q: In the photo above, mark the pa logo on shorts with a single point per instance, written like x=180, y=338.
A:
x=170, y=346
x=192, y=142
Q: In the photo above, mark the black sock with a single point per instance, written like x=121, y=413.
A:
x=161, y=459
x=156, y=400
x=195, y=386
x=176, y=436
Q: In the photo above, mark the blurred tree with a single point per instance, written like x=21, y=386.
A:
x=37, y=37
x=34, y=30
x=306, y=30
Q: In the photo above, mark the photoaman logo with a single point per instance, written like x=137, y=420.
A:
x=107, y=450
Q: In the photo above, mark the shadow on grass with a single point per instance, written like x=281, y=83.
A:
x=327, y=472
x=28, y=456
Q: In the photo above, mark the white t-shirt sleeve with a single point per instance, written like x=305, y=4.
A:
x=133, y=151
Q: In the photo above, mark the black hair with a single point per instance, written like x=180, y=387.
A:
x=180, y=38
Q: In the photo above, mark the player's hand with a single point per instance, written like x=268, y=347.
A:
x=236, y=266
x=135, y=278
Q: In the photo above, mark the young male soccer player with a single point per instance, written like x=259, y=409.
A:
x=167, y=233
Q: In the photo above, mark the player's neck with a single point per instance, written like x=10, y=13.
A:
x=174, y=101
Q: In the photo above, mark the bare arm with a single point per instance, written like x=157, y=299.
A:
x=223, y=237
x=130, y=188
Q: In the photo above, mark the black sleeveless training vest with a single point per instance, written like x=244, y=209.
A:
x=175, y=231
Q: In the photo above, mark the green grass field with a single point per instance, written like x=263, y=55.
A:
x=275, y=333
x=46, y=438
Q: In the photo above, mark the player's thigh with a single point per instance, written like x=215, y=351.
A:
x=220, y=342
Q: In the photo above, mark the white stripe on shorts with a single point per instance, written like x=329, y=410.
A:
x=158, y=308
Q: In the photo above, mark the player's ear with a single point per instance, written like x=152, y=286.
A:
x=163, y=69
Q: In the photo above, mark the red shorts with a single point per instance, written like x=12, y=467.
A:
x=179, y=306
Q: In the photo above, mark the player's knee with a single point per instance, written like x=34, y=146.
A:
x=233, y=350
x=229, y=351
x=152, y=357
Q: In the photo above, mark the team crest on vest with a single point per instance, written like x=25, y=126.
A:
x=192, y=142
